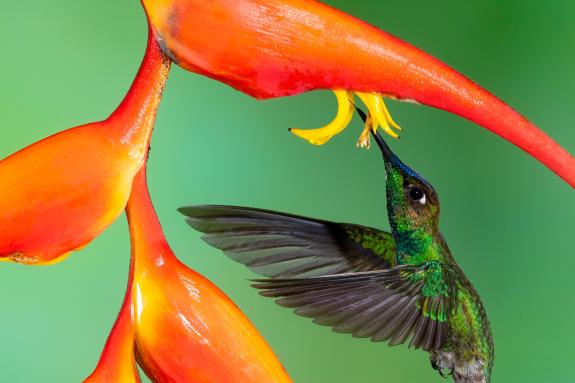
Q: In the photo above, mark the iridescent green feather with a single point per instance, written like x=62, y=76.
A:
x=379, y=242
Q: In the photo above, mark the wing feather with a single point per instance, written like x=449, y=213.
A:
x=279, y=245
x=384, y=305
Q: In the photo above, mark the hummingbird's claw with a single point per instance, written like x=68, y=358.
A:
x=446, y=374
x=378, y=116
x=441, y=367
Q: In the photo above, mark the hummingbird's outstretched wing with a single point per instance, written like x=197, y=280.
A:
x=406, y=301
x=279, y=245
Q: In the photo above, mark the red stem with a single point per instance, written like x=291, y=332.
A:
x=134, y=118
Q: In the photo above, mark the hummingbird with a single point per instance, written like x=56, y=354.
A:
x=396, y=286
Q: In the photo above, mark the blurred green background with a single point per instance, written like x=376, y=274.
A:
x=509, y=221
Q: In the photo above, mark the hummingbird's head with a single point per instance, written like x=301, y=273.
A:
x=412, y=202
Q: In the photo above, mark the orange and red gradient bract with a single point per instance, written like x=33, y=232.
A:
x=63, y=191
x=273, y=48
x=117, y=363
x=186, y=329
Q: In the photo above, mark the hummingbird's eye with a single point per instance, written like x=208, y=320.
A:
x=416, y=194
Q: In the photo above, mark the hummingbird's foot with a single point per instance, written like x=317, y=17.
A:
x=443, y=362
x=378, y=112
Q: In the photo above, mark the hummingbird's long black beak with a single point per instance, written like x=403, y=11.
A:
x=385, y=150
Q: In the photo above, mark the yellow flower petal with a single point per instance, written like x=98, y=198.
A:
x=388, y=116
x=344, y=114
x=378, y=111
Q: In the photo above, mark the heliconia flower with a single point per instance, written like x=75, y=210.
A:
x=273, y=48
x=60, y=193
x=118, y=363
x=186, y=329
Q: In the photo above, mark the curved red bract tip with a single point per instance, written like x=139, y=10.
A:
x=60, y=193
x=273, y=48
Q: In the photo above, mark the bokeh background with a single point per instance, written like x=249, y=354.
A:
x=508, y=220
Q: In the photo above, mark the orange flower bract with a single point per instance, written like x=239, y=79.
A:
x=117, y=363
x=186, y=329
x=63, y=191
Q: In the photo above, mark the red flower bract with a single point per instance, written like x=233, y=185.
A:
x=273, y=48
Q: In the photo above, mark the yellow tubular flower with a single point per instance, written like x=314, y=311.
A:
x=378, y=115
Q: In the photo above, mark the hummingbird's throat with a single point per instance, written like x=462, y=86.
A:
x=414, y=244
x=378, y=116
